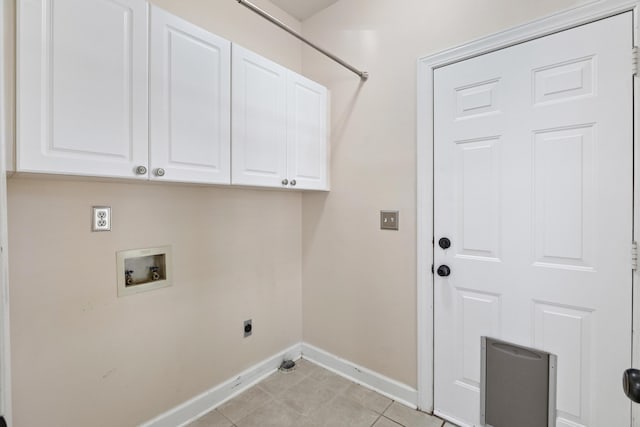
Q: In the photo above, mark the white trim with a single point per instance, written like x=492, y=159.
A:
x=635, y=352
x=424, y=218
x=393, y=389
x=573, y=17
x=192, y=409
x=7, y=19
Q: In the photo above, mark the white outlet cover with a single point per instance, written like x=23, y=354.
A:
x=101, y=220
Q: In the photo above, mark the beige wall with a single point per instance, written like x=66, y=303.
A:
x=83, y=357
x=359, y=283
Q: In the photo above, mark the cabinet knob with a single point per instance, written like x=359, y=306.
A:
x=293, y=182
x=141, y=170
x=159, y=172
x=285, y=181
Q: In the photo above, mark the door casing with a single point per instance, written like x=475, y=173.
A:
x=7, y=108
x=563, y=20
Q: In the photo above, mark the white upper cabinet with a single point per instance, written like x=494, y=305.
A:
x=190, y=84
x=259, y=120
x=279, y=122
x=307, y=135
x=82, y=87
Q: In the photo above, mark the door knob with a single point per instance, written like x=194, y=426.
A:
x=444, y=243
x=444, y=271
x=631, y=384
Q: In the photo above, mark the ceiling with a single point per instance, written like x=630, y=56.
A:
x=302, y=9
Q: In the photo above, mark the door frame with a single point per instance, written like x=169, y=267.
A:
x=7, y=133
x=590, y=11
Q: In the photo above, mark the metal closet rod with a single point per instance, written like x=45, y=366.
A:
x=363, y=74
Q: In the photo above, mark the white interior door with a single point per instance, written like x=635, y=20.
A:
x=533, y=186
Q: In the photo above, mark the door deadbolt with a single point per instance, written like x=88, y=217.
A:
x=444, y=243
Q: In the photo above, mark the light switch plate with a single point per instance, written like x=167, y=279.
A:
x=389, y=220
x=101, y=218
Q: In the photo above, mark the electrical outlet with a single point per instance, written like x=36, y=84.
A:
x=101, y=218
x=248, y=328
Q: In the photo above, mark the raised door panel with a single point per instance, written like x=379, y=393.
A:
x=82, y=87
x=259, y=126
x=190, y=85
x=306, y=133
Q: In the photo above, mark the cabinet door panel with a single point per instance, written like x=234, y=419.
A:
x=306, y=133
x=82, y=86
x=258, y=120
x=190, y=101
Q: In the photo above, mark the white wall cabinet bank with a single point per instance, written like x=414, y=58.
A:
x=84, y=107
x=279, y=125
x=125, y=89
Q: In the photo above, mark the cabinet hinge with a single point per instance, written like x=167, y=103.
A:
x=634, y=60
x=634, y=256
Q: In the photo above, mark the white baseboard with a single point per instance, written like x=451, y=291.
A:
x=210, y=399
x=393, y=389
x=192, y=409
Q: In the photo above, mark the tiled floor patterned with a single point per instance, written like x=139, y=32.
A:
x=311, y=396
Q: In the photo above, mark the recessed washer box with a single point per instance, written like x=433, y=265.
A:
x=141, y=270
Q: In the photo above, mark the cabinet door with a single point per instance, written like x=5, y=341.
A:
x=190, y=102
x=259, y=129
x=307, y=133
x=82, y=87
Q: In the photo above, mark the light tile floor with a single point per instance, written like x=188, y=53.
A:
x=311, y=396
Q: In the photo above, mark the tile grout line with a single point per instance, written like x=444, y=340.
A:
x=376, y=420
x=389, y=418
x=225, y=417
x=388, y=406
x=394, y=421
